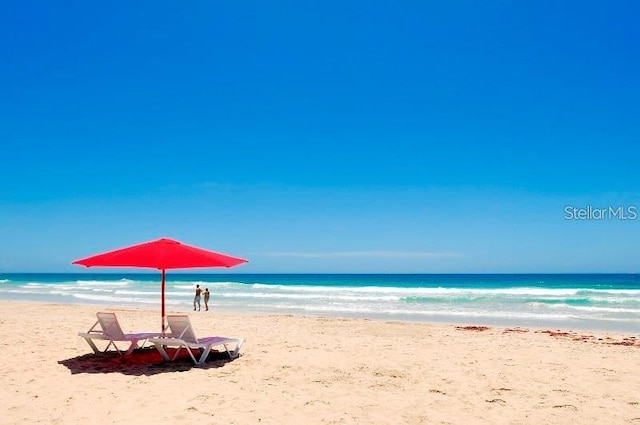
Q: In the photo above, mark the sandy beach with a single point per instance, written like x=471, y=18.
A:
x=315, y=370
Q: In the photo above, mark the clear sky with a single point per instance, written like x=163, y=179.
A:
x=327, y=136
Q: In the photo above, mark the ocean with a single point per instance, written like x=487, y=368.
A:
x=609, y=302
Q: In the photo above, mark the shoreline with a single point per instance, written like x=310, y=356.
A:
x=462, y=325
x=303, y=369
x=585, y=303
x=557, y=327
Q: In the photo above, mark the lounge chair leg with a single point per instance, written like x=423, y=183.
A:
x=115, y=347
x=192, y=356
x=133, y=346
x=204, y=355
x=162, y=352
x=92, y=345
x=175, y=355
x=227, y=350
x=235, y=353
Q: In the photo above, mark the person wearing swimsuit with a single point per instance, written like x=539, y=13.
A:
x=196, y=299
x=206, y=298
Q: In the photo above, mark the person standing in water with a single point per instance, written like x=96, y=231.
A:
x=206, y=298
x=196, y=299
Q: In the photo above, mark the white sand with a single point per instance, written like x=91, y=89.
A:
x=296, y=370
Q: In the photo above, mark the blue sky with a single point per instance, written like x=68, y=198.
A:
x=323, y=136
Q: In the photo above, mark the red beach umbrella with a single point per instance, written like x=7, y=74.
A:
x=161, y=254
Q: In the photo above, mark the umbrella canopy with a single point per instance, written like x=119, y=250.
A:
x=161, y=254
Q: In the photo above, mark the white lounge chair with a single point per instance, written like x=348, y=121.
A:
x=182, y=336
x=109, y=330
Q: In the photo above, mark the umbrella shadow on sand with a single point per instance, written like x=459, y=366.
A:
x=143, y=361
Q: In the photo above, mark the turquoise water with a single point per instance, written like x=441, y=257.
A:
x=579, y=301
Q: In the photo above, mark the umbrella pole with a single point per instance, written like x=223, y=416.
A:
x=163, y=271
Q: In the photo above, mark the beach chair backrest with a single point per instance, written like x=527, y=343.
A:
x=110, y=325
x=180, y=327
